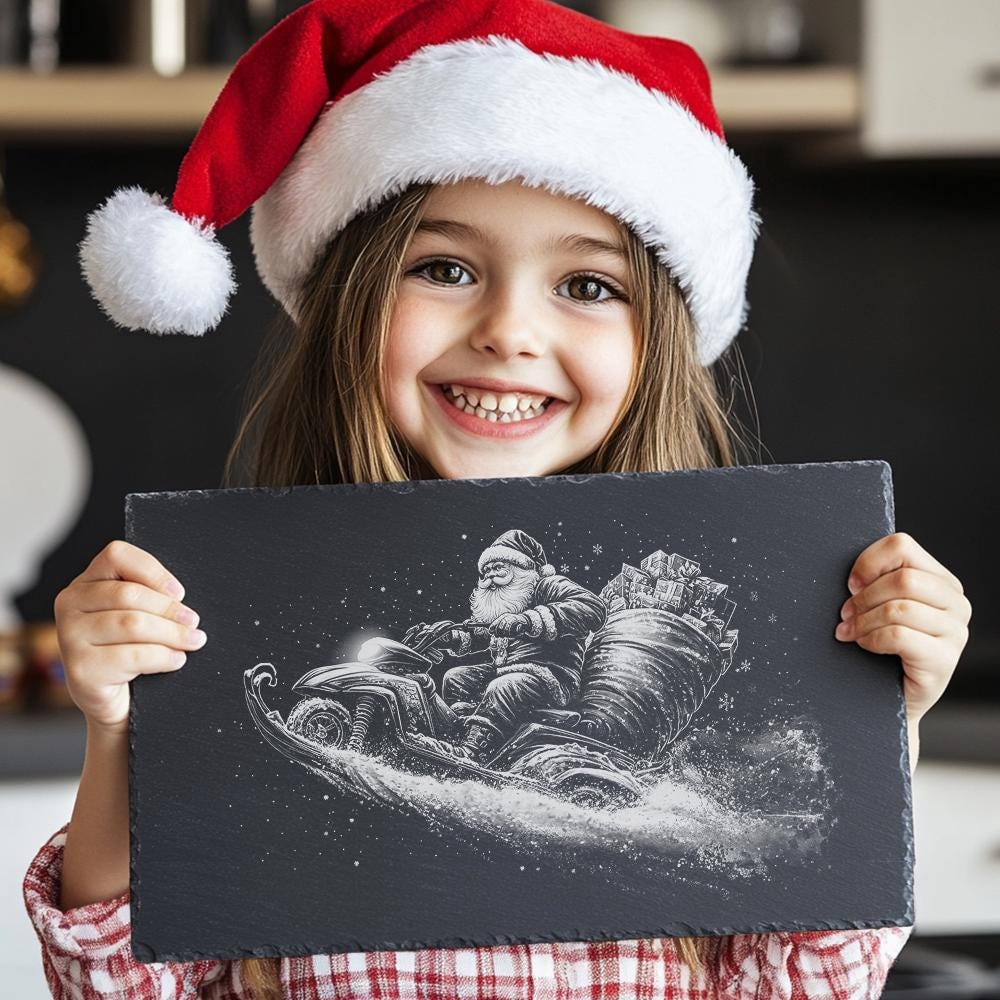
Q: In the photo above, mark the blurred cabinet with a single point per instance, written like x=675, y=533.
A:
x=956, y=818
x=931, y=77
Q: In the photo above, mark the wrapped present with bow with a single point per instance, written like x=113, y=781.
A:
x=654, y=564
x=725, y=610
x=681, y=568
x=708, y=592
x=730, y=640
x=709, y=622
x=674, y=594
x=674, y=566
x=624, y=583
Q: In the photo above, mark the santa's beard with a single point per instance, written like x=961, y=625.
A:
x=488, y=603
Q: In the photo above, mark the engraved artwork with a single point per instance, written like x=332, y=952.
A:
x=565, y=718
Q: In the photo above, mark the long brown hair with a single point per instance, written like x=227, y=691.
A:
x=315, y=410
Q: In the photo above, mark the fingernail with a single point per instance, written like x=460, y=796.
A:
x=853, y=583
x=847, y=611
x=844, y=630
x=178, y=657
x=174, y=588
x=197, y=636
x=186, y=616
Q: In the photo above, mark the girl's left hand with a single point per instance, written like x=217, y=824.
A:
x=905, y=602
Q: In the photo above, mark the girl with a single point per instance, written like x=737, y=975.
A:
x=444, y=268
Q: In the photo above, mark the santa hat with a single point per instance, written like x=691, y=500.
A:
x=343, y=104
x=517, y=547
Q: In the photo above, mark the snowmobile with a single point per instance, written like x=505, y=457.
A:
x=646, y=672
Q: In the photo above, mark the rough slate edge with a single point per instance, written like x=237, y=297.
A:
x=147, y=953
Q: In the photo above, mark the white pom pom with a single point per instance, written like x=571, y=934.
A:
x=152, y=269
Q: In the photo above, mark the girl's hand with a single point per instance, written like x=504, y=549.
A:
x=905, y=602
x=119, y=618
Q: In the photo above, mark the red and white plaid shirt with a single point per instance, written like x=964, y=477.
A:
x=87, y=955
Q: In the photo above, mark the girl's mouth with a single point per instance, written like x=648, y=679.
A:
x=496, y=414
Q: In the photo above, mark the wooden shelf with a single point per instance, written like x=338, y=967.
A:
x=99, y=101
x=815, y=98
x=90, y=102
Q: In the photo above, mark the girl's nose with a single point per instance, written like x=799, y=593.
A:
x=508, y=333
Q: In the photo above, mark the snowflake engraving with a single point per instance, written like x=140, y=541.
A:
x=743, y=667
x=598, y=549
x=753, y=595
x=563, y=568
x=726, y=702
x=772, y=617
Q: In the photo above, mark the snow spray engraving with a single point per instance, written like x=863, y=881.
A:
x=583, y=710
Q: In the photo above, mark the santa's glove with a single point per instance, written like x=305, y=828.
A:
x=507, y=624
x=459, y=641
x=417, y=633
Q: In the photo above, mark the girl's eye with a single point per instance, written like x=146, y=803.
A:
x=438, y=266
x=436, y=270
x=590, y=281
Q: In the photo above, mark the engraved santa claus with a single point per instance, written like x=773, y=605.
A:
x=539, y=622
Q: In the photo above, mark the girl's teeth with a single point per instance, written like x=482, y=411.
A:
x=507, y=408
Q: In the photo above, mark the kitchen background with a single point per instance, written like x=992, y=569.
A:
x=872, y=128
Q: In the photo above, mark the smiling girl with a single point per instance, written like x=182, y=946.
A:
x=512, y=340
x=498, y=259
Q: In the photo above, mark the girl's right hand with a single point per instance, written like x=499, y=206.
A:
x=121, y=617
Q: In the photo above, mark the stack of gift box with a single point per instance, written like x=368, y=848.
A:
x=674, y=583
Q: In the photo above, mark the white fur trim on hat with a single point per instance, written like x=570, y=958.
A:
x=514, y=556
x=491, y=108
x=152, y=269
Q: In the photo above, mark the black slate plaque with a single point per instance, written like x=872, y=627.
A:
x=468, y=712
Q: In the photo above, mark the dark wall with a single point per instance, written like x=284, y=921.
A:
x=158, y=412
x=873, y=334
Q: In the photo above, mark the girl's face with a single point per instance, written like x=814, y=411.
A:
x=511, y=343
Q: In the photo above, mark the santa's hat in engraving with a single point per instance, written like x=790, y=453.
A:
x=344, y=103
x=517, y=547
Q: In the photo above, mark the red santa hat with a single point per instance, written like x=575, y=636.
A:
x=343, y=104
x=517, y=547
